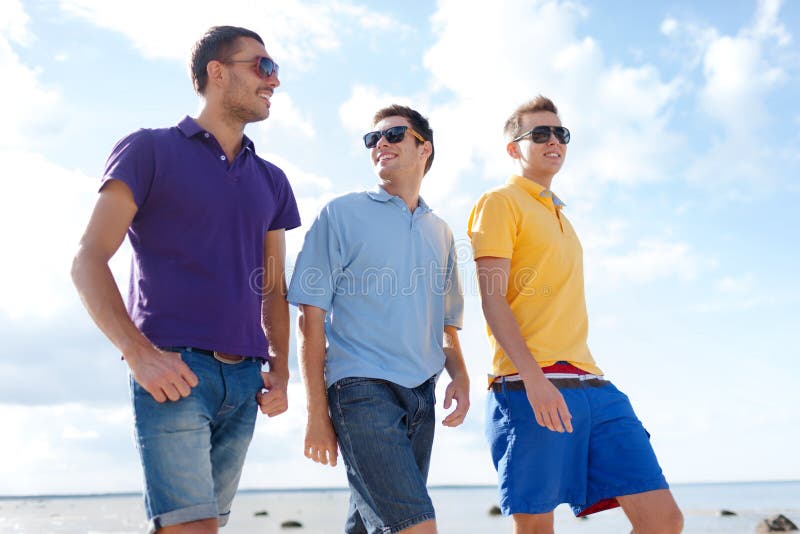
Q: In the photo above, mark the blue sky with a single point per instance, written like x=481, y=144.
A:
x=681, y=179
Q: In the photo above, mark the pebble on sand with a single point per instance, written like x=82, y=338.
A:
x=261, y=513
x=724, y=513
x=776, y=523
x=495, y=510
x=291, y=524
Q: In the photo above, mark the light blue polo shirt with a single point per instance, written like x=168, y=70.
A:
x=388, y=280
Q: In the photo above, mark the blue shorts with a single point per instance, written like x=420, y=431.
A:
x=192, y=450
x=385, y=433
x=608, y=454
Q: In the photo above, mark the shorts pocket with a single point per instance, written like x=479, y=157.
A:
x=354, y=381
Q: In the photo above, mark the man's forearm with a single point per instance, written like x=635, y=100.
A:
x=311, y=349
x=453, y=357
x=276, y=323
x=101, y=298
x=506, y=331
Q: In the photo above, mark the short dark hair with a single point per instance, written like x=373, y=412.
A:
x=219, y=43
x=513, y=125
x=415, y=119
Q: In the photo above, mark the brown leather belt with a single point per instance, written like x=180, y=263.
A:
x=230, y=359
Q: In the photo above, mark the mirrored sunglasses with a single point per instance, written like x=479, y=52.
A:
x=541, y=134
x=265, y=66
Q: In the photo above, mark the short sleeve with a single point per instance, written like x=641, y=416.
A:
x=287, y=215
x=319, y=261
x=132, y=161
x=492, y=226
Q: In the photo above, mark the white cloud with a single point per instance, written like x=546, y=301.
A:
x=24, y=103
x=369, y=20
x=14, y=23
x=650, y=260
x=40, y=229
x=734, y=285
x=739, y=70
x=77, y=434
x=735, y=293
x=311, y=192
x=67, y=438
x=739, y=73
x=285, y=114
x=621, y=109
x=668, y=26
x=294, y=32
x=737, y=79
x=357, y=111
x=39, y=225
x=767, y=24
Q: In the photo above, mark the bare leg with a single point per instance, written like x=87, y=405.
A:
x=652, y=512
x=426, y=527
x=204, y=526
x=533, y=523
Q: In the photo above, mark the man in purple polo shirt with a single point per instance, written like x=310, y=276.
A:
x=206, y=219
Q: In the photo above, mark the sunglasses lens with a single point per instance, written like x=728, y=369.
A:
x=371, y=139
x=540, y=134
x=266, y=67
x=395, y=134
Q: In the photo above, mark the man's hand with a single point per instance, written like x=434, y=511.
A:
x=320, y=443
x=457, y=390
x=273, y=399
x=548, y=404
x=162, y=374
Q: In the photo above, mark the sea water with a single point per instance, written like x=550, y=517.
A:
x=458, y=509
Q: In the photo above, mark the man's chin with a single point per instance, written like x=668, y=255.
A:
x=258, y=117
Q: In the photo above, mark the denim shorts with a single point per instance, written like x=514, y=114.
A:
x=192, y=450
x=608, y=454
x=385, y=433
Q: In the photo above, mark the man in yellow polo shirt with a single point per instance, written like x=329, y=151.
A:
x=558, y=430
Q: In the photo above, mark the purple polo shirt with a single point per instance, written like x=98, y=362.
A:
x=198, y=236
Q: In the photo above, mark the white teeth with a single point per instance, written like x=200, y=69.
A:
x=383, y=157
x=552, y=155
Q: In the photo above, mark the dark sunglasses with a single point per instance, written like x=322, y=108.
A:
x=265, y=67
x=541, y=134
x=395, y=134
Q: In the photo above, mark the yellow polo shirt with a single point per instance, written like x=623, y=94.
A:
x=523, y=221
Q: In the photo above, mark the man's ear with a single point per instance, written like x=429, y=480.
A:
x=215, y=70
x=513, y=150
x=426, y=149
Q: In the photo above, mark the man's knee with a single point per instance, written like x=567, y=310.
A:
x=668, y=521
x=673, y=522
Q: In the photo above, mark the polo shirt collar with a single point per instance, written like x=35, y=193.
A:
x=189, y=127
x=535, y=190
x=381, y=195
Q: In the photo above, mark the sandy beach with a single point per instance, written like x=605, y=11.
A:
x=459, y=510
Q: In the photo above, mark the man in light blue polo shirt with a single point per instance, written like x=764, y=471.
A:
x=377, y=279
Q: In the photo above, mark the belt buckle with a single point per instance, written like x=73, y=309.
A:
x=230, y=361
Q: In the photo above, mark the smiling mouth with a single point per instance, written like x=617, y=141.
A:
x=266, y=95
x=385, y=157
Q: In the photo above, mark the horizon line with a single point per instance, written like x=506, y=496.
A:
x=314, y=489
